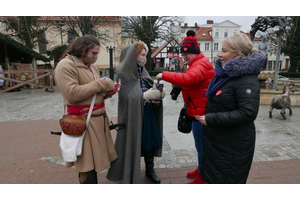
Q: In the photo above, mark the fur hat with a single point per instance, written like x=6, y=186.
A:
x=139, y=46
x=190, y=44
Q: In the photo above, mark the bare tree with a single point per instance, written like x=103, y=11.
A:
x=82, y=25
x=26, y=28
x=149, y=29
x=279, y=23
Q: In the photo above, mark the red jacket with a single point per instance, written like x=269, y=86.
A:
x=194, y=83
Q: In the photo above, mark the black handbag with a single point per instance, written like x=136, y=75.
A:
x=184, y=124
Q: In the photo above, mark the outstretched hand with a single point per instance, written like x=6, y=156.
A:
x=159, y=77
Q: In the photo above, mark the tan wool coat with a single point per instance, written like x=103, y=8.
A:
x=77, y=86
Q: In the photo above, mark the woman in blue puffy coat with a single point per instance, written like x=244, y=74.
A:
x=233, y=103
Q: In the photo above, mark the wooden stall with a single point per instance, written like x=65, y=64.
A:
x=13, y=57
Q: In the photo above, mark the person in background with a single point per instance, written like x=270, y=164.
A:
x=143, y=132
x=1, y=75
x=194, y=83
x=74, y=76
x=233, y=104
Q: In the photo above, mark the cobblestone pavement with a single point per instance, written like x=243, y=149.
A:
x=277, y=139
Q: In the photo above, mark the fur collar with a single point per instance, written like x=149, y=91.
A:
x=251, y=64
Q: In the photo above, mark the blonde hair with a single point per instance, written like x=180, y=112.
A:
x=240, y=42
x=139, y=46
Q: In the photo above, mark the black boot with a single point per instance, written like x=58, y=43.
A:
x=150, y=173
x=91, y=178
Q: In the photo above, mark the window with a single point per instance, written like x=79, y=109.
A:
x=217, y=33
x=206, y=46
x=235, y=32
x=216, y=45
x=204, y=34
x=199, y=45
x=42, y=42
x=270, y=65
x=182, y=30
x=280, y=65
x=226, y=33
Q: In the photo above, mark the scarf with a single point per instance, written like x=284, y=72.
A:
x=251, y=64
x=214, y=84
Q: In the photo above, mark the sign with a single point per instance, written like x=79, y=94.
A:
x=158, y=60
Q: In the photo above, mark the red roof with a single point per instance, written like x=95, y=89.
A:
x=203, y=33
x=248, y=34
x=161, y=47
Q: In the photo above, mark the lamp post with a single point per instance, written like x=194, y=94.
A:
x=111, y=69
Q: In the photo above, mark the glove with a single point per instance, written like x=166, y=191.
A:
x=153, y=94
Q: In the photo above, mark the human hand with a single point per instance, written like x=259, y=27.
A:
x=106, y=78
x=159, y=77
x=201, y=119
x=114, y=91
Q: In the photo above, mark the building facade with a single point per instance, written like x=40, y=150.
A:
x=57, y=34
x=211, y=35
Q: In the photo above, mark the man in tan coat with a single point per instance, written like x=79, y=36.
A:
x=74, y=76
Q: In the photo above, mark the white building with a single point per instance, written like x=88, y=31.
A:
x=210, y=37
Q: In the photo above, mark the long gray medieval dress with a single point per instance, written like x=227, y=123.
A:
x=130, y=111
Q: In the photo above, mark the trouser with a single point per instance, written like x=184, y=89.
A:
x=198, y=133
x=89, y=177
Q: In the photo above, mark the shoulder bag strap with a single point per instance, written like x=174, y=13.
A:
x=192, y=102
x=92, y=104
x=91, y=107
x=186, y=105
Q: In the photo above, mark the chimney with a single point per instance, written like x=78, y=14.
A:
x=210, y=21
x=179, y=24
x=196, y=24
x=185, y=24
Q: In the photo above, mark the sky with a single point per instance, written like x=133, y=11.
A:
x=244, y=21
x=237, y=11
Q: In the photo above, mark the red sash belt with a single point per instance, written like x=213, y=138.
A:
x=77, y=110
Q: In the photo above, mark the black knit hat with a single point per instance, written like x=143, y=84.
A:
x=190, y=44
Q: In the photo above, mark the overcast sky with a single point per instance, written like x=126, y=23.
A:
x=244, y=21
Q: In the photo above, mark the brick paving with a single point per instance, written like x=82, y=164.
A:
x=29, y=154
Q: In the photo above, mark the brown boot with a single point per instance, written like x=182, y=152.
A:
x=88, y=177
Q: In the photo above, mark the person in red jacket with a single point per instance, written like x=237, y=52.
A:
x=194, y=83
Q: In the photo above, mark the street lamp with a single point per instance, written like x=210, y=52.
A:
x=111, y=69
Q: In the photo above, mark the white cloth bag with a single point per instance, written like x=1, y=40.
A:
x=71, y=146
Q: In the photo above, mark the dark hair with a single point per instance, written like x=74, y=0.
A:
x=81, y=45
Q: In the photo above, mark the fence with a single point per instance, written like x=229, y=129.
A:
x=12, y=81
